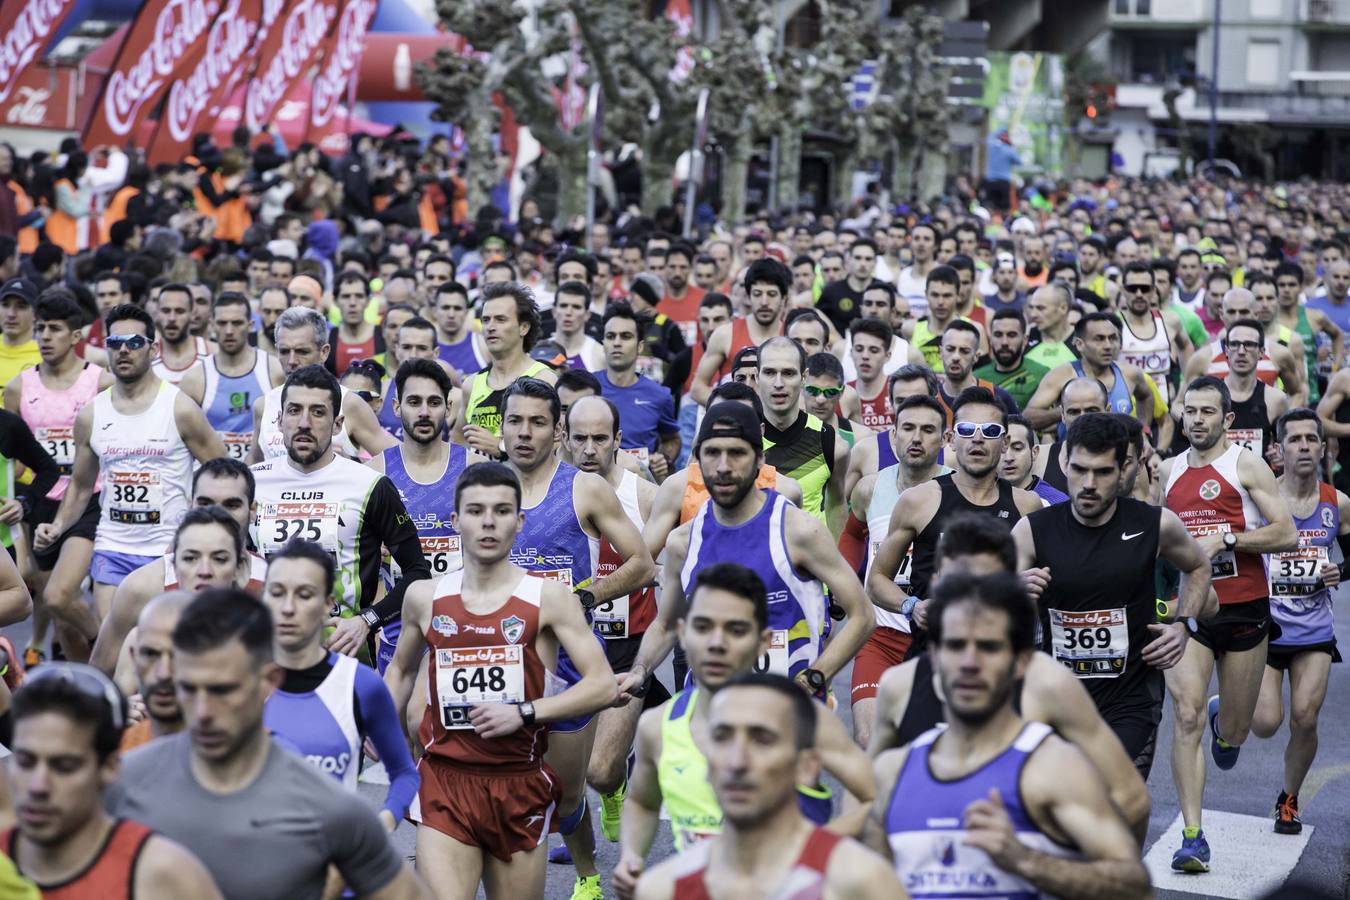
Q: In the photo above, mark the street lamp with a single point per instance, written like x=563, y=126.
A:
x=1214, y=85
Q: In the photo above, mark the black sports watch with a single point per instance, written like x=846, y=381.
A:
x=526, y=712
x=815, y=680
x=1229, y=540
x=370, y=617
x=586, y=598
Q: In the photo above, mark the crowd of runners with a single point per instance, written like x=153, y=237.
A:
x=295, y=482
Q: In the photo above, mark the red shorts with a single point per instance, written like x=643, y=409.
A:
x=885, y=648
x=500, y=812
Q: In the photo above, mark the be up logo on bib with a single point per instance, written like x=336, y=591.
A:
x=1209, y=490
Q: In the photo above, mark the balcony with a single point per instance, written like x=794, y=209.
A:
x=1147, y=14
x=1324, y=14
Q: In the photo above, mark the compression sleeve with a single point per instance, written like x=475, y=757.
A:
x=380, y=720
x=387, y=522
x=853, y=542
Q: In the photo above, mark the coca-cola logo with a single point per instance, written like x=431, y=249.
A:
x=343, y=59
x=27, y=37
x=30, y=107
x=227, y=44
x=179, y=25
x=301, y=34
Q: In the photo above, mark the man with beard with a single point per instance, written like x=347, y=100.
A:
x=766, y=285
x=152, y=659
x=1128, y=389
x=1098, y=612
x=1222, y=493
x=140, y=437
x=1010, y=369
x=272, y=302
x=228, y=382
x=919, y=426
x=349, y=510
x=680, y=303
x=423, y=469
x=960, y=347
x=977, y=437
x=991, y=799
x=68, y=720
x=178, y=348
x=876, y=450
x=1153, y=339
x=202, y=302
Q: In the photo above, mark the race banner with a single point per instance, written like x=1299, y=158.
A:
x=230, y=44
x=286, y=55
x=341, y=58
x=26, y=28
x=166, y=40
x=42, y=97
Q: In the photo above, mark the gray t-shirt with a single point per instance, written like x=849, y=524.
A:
x=273, y=839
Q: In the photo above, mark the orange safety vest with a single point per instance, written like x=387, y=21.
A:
x=426, y=215
x=62, y=228
x=117, y=207
x=232, y=216
x=23, y=205
x=696, y=492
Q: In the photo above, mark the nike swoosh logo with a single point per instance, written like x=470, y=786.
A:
x=1130, y=537
x=643, y=402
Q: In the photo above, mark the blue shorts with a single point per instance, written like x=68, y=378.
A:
x=567, y=673
x=111, y=567
x=386, y=639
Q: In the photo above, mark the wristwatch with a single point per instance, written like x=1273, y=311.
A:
x=586, y=598
x=907, y=608
x=1229, y=540
x=526, y=712
x=815, y=680
x=370, y=617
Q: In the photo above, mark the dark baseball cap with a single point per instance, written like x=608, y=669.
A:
x=20, y=287
x=734, y=419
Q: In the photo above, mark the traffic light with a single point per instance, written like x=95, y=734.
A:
x=1100, y=100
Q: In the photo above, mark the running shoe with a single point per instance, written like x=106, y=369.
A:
x=1286, y=815
x=587, y=888
x=33, y=657
x=1193, y=855
x=560, y=855
x=611, y=808
x=1225, y=754
x=12, y=662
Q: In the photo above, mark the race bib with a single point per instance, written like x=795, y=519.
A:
x=472, y=675
x=776, y=659
x=651, y=366
x=1091, y=643
x=640, y=454
x=1296, y=573
x=1251, y=438
x=906, y=565
x=134, y=498
x=610, y=618
x=60, y=446
x=311, y=521
x=561, y=575
x=1224, y=563
x=443, y=553
x=237, y=443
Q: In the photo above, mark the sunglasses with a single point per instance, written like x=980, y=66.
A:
x=86, y=679
x=990, y=430
x=115, y=342
x=1139, y=288
x=827, y=393
x=369, y=366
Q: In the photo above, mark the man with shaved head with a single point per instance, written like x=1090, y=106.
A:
x=151, y=647
x=1078, y=396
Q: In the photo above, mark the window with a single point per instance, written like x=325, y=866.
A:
x=1263, y=62
x=1267, y=9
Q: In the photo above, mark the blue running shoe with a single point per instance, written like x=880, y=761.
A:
x=1225, y=755
x=1193, y=855
x=560, y=855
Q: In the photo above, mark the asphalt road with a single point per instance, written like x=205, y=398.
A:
x=1249, y=859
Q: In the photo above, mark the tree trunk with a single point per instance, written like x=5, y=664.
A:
x=789, y=169
x=572, y=185
x=902, y=176
x=932, y=176
x=845, y=162
x=480, y=170
x=735, y=176
x=658, y=170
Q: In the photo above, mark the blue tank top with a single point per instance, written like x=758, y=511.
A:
x=885, y=452
x=552, y=541
x=321, y=724
x=924, y=819
x=462, y=355
x=1299, y=602
x=388, y=420
x=1119, y=399
x=228, y=400
x=797, y=609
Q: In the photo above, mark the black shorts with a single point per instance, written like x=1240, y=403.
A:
x=621, y=652
x=1281, y=656
x=1137, y=729
x=84, y=527
x=1237, y=627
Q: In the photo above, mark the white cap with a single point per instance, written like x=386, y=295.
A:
x=284, y=247
x=1022, y=225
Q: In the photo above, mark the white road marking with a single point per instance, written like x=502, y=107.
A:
x=1249, y=859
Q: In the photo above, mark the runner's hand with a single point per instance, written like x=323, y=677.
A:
x=480, y=439
x=1211, y=544
x=659, y=465
x=45, y=535
x=919, y=614
x=626, y=875
x=349, y=637
x=11, y=511
x=629, y=682
x=989, y=828
x=1331, y=574
x=1167, y=647
x=1036, y=579
x=494, y=720
x=136, y=710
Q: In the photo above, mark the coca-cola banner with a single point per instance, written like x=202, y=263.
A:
x=341, y=57
x=286, y=55
x=41, y=97
x=26, y=28
x=166, y=40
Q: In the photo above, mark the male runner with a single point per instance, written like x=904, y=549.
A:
x=1048, y=311
x=510, y=329
x=457, y=342
x=875, y=451
x=651, y=434
x=977, y=438
x=152, y=662
x=960, y=344
x=824, y=393
x=302, y=340
x=766, y=284
x=1301, y=582
x=760, y=742
x=349, y=510
x=488, y=799
x=1229, y=501
x=1152, y=340
x=1078, y=397
x=140, y=437
x=869, y=341
x=228, y=382
x=1295, y=315
x=1098, y=614
x=912, y=283
x=354, y=337
x=1276, y=366
x=1010, y=368
x=68, y=720
x=919, y=427
x=1019, y=459
x=271, y=304
x=940, y=291
x=178, y=349
x=571, y=310
x=328, y=705
x=264, y=822
x=991, y=799
x=1128, y=389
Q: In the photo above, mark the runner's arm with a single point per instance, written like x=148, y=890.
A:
x=1142, y=389
x=853, y=539
x=789, y=488
x=856, y=873
x=881, y=586
x=814, y=550
x=660, y=635
x=202, y=440
x=897, y=683
x=1040, y=409
x=714, y=355
x=16, y=604
x=83, y=475
x=1293, y=373
x=1338, y=390
x=846, y=761
x=255, y=449
x=561, y=614
x=386, y=521
x=1322, y=322
x=1026, y=544
x=641, y=806
x=17, y=442
x=400, y=676
x=358, y=846
x=836, y=497
x=1279, y=534
x=194, y=383
x=364, y=429
x=384, y=727
x=128, y=601
x=166, y=871
x=862, y=460
x=1176, y=545
x=665, y=513
x=885, y=771
x=593, y=494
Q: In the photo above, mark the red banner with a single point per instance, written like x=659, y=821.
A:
x=286, y=55
x=41, y=97
x=230, y=44
x=341, y=57
x=26, y=28
x=166, y=40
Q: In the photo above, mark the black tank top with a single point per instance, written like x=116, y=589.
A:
x=924, y=709
x=1095, y=613
x=1251, y=422
x=1054, y=475
x=953, y=501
